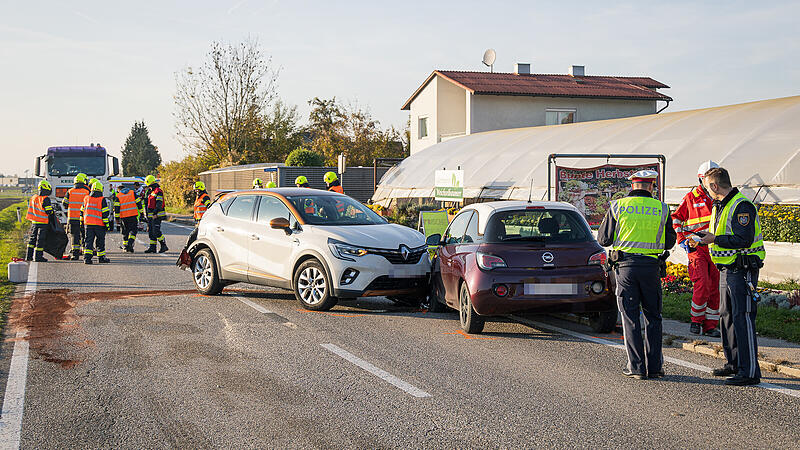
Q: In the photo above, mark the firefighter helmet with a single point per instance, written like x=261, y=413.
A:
x=97, y=186
x=301, y=180
x=271, y=184
x=80, y=178
x=330, y=177
x=150, y=179
x=44, y=184
x=199, y=185
x=258, y=184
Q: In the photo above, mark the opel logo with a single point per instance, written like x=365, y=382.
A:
x=547, y=257
x=404, y=252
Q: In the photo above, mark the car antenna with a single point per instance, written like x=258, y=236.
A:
x=530, y=191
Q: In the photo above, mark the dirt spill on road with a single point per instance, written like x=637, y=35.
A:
x=53, y=328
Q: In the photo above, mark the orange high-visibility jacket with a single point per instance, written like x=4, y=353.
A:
x=201, y=205
x=37, y=209
x=92, y=210
x=127, y=204
x=74, y=201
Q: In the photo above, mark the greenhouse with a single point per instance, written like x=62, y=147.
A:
x=758, y=142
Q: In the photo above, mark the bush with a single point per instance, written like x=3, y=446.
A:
x=780, y=223
x=301, y=157
x=408, y=214
x=177, y=181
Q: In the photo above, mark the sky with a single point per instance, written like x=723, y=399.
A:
x=80, y=72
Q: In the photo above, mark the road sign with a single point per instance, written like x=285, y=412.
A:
x=449, y=185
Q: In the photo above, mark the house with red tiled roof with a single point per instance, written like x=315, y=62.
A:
x=451, y=103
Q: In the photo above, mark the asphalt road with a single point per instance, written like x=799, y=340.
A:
x=128, y=355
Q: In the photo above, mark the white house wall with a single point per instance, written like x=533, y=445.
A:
x=424, y=105
x=451, y=107
x=498, y=112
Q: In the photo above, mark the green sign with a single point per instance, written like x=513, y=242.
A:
x=449, y=185
x=433, y=222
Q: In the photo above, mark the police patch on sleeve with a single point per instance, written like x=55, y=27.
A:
x=743, y=219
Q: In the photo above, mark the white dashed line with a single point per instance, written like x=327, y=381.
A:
x=254, y=305
x=14, y=400
x=380, y=373
x=676, y=361
x=180, y=225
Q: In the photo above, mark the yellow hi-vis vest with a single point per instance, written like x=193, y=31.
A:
x=641, y=223
x=724, y=226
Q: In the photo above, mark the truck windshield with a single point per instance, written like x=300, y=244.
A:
x=92, y=165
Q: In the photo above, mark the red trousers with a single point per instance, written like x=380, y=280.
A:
x=705, y=298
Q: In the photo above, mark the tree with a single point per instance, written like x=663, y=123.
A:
x=220, y=105
x=139, y=156
x=178, y=177
x=279, y=133
x=301, y=157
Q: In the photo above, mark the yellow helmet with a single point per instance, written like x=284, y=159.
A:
x=199, y=185
x=301, y=180
x=150, y=179
x=271, y=185
x=97, y=186
x=93, y=181
x=44, y=184
x=80, y=178
x=330, y=177
x=258, y=184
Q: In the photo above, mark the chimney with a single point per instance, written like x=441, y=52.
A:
x=522, y=68
x=577, y=71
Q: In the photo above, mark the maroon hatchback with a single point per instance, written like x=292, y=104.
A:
x=508, y=257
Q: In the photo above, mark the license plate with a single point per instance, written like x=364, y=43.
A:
x=551, y=289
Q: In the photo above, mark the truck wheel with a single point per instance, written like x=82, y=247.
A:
x=471, y=322
x=312, y=287
x=603, y=322
x=204, y=271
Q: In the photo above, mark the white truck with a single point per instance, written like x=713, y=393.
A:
x=60, y=165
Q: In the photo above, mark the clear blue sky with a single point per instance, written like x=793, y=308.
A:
x=83, y=71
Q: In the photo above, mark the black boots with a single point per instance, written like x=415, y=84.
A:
x=76, y=255
x=103, y=260
x=38, y=256
x=163, y=246
x=151, y=249
x=29, y=256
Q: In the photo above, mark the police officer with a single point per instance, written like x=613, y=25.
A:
x=72, y=202
x=301, y=181
x=95, y=214
x=202, y=200
x=39, y=212
x=128, y=210
x=155, y=214
x=638, y=229
x=333, y=183
x=737, y=248
x=258, y=184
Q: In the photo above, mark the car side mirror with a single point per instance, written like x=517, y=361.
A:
x=434, y=239
x=280, y=223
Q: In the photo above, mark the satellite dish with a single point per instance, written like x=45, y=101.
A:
x=488, y=58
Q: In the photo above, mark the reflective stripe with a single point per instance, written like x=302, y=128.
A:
x=93, y=211
x=640, y=245
x=76, y=196
x=36, y=210
x=698, y=220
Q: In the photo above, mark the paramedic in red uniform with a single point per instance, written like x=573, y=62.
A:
x=693, y=215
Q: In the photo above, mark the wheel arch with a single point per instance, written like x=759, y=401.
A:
x=305, y=256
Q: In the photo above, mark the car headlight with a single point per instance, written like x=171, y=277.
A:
x=345, y=251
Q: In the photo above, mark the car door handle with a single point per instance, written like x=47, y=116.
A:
x=254, y=237
x=220, y=229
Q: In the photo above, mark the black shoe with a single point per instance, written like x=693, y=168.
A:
x=40, y=259
x=630, y=374
x=29, y=255
x=695, y=328
x=151, y=249
x=656, y=375
x=75, y=257
x=87, y=260
x=724, y=371
x=103, y=260
x=714, y=333
x=163, y=248
x=738, y=380
x=128, y=249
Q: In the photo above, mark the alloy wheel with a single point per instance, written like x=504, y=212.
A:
x=202, y=272
x=311, y=285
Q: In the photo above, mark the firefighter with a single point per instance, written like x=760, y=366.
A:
x=95, y=214
x=258, y=184
x=638, y=231
x=40, y=210
x=72, y=202
x=737, y=248
x=155, y=214
x=333, y=182
x=202, y=200
x=301, y=181
x=271, y=184
x=692, y=216
x=128, y=210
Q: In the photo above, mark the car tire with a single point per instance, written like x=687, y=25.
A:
x=436, y=295
x=312, y=287
x=470, y=321
x=603, y=322
x=204, y=273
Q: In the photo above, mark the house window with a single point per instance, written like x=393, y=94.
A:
x=423, y=127
x=559, y=116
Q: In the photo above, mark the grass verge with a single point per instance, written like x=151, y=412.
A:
x=770, y=322
x=180, y=210
x=11, y=245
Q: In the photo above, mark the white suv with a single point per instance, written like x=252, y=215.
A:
x=321, y=245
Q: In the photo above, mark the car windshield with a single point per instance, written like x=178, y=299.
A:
x=92, y=165
x=333, y=210
x=536, y=225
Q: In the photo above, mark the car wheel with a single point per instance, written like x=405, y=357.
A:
x=471, y=322
x=312, y=287
x=435, y=298
x=204, y=273
x=603, y=322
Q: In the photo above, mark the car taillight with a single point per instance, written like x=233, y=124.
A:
x=501, y=290
x=489, y=262
x=598, y=258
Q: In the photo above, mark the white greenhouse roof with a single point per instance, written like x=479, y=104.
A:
x=758, y=142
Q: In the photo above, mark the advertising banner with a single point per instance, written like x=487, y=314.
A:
x=591, y=190
x=449, y=185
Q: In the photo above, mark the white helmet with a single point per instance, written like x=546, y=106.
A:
x=644, y=175
x=705, y=167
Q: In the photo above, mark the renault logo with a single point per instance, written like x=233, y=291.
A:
x=404, y=252
x=547, y=257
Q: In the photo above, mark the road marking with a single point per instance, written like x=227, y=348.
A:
x=469, y=336
x=179, y=225
x=328, y=313
x=676, y=361
x=14, y=400
x=254, y=305
x=380, y=373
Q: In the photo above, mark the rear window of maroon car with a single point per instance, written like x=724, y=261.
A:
x=539, y=225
